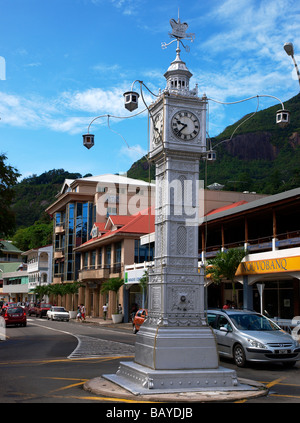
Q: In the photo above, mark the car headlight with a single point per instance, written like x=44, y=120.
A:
x=256, y=344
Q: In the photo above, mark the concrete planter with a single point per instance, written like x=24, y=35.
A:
x=73, y=314
x=117, y=318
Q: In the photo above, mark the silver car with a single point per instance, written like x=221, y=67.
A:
x=249, y=336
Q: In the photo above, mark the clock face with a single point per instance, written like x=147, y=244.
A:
x=185, y=125
x=157, y=128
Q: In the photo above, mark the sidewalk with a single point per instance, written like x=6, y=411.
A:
x=106, y=323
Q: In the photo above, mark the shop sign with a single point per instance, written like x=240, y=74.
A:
x=133, y=276
x=276, y=265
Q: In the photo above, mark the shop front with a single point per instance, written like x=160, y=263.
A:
x=271, y=282
x=135, y=291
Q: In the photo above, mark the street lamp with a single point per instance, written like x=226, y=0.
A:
x=289, y=48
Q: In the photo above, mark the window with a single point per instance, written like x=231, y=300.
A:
x=108, y=256
x=143, y=252
x=224, y=323
x=212, y=320
x=85, y=261
x=93, y=259
x=100, y=258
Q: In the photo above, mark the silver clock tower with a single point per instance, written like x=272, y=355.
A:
x=175, y=349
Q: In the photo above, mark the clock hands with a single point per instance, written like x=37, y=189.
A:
x=184, y=126
x=178, y=121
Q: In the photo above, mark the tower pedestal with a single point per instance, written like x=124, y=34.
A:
x=174, y=360
x=141, y=380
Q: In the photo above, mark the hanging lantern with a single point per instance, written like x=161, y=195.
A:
x=282, y=118
x=131, y=100
x=88, y=140
x=211, y=155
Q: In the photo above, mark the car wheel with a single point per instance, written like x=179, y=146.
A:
x=24, y=324
x=134, y=329
x=239, y=356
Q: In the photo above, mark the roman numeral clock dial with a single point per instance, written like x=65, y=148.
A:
x=185, y=125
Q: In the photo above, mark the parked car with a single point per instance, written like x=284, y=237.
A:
x=58, y=313
x=249, y=336
x=139, y=319
x=14, y=316
x=39, y=309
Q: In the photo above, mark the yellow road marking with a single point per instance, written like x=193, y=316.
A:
x=274, y=382
x=67, y=387
x=285, y=396
x=65, y=360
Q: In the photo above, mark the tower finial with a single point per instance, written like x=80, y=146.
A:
x=179, y=33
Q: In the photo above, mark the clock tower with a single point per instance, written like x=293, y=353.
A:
x=175, y=348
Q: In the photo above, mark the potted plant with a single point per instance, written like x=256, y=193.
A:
x=114, y=284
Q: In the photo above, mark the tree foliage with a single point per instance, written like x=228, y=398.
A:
x=35, y=193
x=57, y=290
x=112, y=284
x=224, y=266
x=35, y=236
x=8, y=180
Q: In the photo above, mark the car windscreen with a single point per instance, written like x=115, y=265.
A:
x=253, y=322
x=44, y=305
x=58, y=309
x=15, y=310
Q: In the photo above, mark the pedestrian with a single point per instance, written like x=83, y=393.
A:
x=119, y=309
x=82, y=309
x=79, y=317
x=105, y=308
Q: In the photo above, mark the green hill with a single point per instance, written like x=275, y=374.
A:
x=35, y=193
x=261, y=156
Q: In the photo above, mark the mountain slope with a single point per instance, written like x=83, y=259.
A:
x=261, y=156
x=35, y=193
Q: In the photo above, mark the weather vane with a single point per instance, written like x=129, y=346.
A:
x=179, y=34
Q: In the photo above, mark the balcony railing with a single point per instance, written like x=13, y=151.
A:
x=102, y=272
x=282, y=241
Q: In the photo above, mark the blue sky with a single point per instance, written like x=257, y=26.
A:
x=68, y=61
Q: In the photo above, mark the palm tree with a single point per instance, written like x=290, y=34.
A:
x=58, y=289
x=112, y=284
x=41, y=290
x=224, y=266
x=72, y=288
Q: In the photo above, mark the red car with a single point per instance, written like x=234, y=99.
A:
x=139, y=319
x=14, y=316
x=39, y=309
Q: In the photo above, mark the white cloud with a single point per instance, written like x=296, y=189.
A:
x=133, y=153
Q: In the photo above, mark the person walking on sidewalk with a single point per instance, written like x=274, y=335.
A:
x=105, y=308
x=79, y=316
x=82, y=308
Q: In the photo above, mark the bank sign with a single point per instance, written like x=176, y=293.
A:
x=133, y=276
x=276, y=265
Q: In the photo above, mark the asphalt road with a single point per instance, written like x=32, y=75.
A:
x=48, y=362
